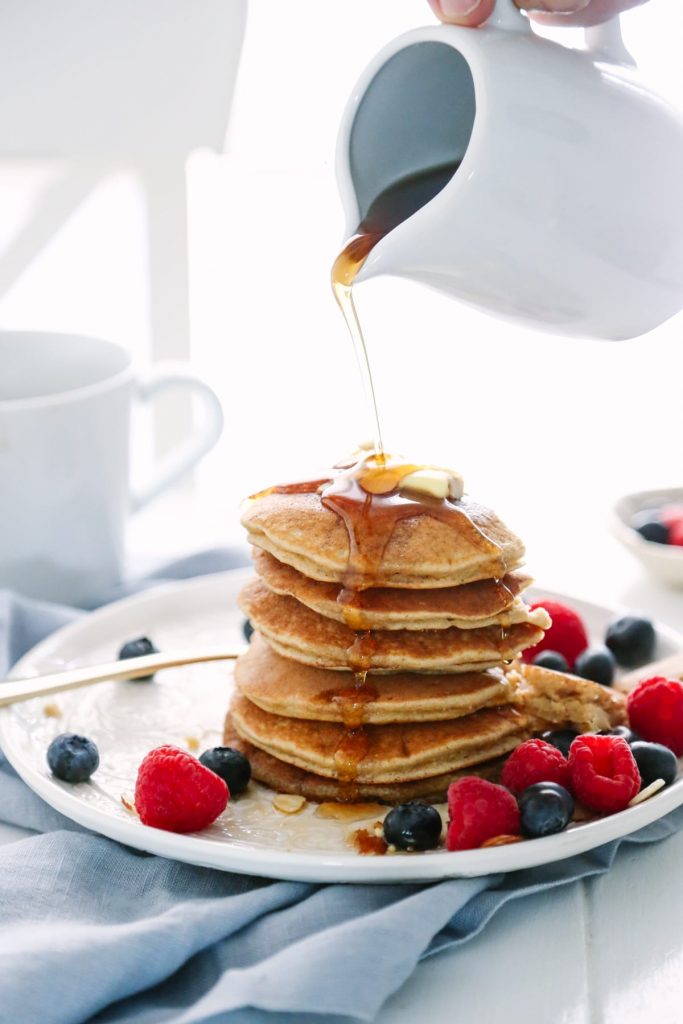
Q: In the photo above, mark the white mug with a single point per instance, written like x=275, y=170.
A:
x=566, y=212
x=65, y=412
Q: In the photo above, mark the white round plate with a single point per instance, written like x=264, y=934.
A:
x=186, y=707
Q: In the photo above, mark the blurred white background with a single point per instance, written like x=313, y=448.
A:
x=548, y=431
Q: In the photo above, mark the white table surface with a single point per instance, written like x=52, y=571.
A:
x=603, y=951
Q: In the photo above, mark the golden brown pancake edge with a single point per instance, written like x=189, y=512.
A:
x=299, y=633
x=290, y=688
x=393, y=753
x=472, y=605
x=282, y=777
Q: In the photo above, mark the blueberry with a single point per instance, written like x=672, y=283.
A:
x=247, y=629
x=631, y=640
x=530, y=791
x=233, y=767
x=623, y=732
x=650, y=526
x=413, y=826
x=654, y=762
x=655, y=532
x=596, y=663
x=545, y=808
x=72, y=758
x=137, y=649
x=560, y=738
x=552, y=660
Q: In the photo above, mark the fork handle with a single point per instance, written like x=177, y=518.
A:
x=14, y=690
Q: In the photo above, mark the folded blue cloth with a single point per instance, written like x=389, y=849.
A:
x=94, y=931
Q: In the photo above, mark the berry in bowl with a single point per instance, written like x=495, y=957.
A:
x=650, y=525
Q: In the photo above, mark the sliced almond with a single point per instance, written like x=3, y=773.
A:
x=288, y=803
x=646, y=793
x=503, y=840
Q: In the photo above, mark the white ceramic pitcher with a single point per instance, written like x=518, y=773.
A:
x=566, y=212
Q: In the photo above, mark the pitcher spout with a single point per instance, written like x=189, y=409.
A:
x=405, y=132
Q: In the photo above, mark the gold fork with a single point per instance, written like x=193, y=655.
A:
x=14, y=690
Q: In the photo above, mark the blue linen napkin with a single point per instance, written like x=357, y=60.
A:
x=93, y=931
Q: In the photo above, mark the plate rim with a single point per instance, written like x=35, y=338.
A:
x=306, y=866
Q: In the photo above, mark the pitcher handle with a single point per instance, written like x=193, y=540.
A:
x=604, y=41
x=507, y=15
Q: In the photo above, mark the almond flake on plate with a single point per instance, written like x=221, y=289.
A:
x=288, y=803
x=649, y=791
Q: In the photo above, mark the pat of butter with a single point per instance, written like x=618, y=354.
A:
x=457, y=485
x=437, y=483
x=434, y=482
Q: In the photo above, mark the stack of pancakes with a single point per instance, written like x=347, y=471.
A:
x=433, y=632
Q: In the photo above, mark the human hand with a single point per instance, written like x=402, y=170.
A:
x=549, y=12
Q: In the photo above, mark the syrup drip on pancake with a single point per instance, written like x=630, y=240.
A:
x=367, y=498
x=351, y=701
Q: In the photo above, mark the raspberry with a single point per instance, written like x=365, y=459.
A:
x=535, y=761
x=567, y=635
x=676, y=533
x=603, y=771
x=672, y=517
x=479, y=810
x=655, y=712
x=174, y=791
x=670, y=514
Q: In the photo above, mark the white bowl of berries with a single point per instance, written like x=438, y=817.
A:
x=650, y=525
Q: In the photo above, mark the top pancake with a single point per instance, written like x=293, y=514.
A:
x=422, y=551
x=482, y=603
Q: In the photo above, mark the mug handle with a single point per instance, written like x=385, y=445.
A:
x=602, y=41
x=181, y=459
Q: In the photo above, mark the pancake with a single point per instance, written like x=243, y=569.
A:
x=287, y=778
x=296, y=632
x=289, y=688
x=563, y=701
x=422, y=551
x=380, y=754
x=471, y=606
